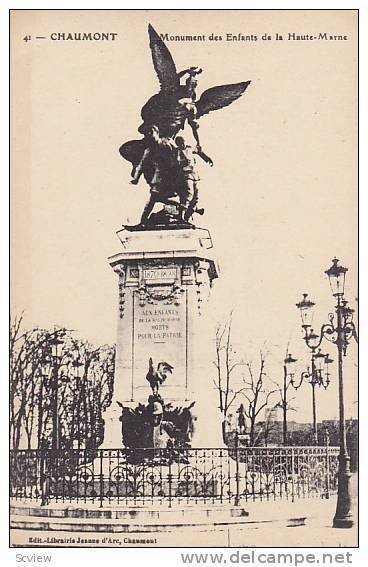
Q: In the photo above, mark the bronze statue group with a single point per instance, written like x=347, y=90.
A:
x=162, y=156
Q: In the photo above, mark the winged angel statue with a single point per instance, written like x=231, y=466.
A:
x=162, y=156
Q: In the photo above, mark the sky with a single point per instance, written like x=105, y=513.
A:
x=281, y=199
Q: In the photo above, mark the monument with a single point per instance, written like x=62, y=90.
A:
x=165, y=271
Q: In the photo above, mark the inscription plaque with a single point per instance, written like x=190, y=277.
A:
x=160, y=332
x=154, y=275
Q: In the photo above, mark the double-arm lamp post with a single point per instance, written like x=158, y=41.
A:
x=315, y=375
x=56, y=340
x=339, y=330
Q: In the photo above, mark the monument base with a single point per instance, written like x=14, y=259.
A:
x=164, y=340
x=112, y=436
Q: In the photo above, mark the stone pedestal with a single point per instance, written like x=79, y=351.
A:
x=164, y=281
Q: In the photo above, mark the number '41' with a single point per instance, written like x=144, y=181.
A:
x=27, y=38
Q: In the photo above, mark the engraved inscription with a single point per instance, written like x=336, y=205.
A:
x=159, y=274
x=160, y=333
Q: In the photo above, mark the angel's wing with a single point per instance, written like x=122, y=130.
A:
x=218, y=97
x=163, y=62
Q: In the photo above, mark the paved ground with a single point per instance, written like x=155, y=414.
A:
x=304, y=523
x=317, y=531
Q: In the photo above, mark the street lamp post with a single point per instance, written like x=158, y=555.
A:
x=77, y=396
x=289, y=363
x=45, y=361
x=315, y=375
x=55, y=342
x=339, y=330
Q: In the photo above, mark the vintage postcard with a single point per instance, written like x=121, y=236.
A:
x=184, y=279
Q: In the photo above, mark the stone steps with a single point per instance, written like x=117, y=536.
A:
x=116, y=525
x=145, y=519
x=129, y=514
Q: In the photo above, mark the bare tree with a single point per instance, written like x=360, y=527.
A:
x=90, y=391
x=225, y=364
x=257, y=393
x=26, y=353
x=59, y=388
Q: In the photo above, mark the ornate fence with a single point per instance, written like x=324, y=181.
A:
x=164, y=476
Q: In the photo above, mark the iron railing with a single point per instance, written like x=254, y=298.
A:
x=141, y=476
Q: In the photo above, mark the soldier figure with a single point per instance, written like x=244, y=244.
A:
x=187, y=178
x=164, y=433
x=241, y=420
x=158, y=161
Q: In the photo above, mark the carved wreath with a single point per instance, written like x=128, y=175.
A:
x=167, y=294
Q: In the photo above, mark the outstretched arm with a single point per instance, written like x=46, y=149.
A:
x=204, y=156
x=190, y=71
x=195, y=126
